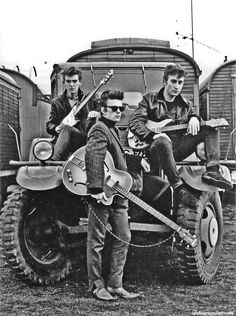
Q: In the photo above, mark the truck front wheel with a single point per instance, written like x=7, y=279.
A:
x=31, y=238
x=201, y=214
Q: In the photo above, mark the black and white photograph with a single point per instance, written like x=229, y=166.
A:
x=117, y=158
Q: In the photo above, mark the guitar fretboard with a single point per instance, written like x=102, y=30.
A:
x=145, y=206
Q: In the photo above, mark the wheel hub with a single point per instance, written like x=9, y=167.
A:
x=209, y=232
x=213, y=232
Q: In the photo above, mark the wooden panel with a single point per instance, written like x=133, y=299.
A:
x=220, y=104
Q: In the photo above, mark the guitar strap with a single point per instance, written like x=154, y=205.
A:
x=77, y=104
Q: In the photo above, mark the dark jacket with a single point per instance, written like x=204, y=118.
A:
x=153, y=107
x=103, y=136
x=60, y=108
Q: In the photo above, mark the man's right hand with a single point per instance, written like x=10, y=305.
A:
x=99, y=197
x=58, y=128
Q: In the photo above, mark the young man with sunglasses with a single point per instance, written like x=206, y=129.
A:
x=104, y=137
x=166, y=149
x=70, y=138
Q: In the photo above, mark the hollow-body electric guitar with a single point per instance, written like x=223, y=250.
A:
x=117, y=182
x=165, y=126
x=71, y=119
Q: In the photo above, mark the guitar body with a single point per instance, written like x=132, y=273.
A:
x=75, y=178
x=137, y=144
x=116, y=182
x=70, y=119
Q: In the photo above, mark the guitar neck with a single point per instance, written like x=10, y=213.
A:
x=130, y=196
x=177, y=127
x=88, y=97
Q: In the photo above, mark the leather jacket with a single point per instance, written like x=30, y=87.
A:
x=153, y=107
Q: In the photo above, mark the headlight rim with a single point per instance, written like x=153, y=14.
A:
x=47, y=157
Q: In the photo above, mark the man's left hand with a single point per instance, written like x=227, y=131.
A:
x=93, y=114
x=193, y=126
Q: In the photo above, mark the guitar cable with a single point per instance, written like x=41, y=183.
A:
x=128, y=243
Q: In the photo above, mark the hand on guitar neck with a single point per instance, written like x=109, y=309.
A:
x=167, y=125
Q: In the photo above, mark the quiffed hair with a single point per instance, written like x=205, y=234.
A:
x=71, y=71
x=110, y=94
x=172, y=70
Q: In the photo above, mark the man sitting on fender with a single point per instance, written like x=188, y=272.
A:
x=166, y=149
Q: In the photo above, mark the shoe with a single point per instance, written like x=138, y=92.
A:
x=121, y=292
x=103, y=295
x=215, y=178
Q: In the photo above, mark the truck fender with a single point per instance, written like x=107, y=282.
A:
x=39, y=178
x=192, y=175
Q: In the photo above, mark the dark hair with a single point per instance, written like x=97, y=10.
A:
x=110, y=94
x=71, y=71
x=172, y=70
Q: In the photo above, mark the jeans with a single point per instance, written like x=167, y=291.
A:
x=163, y=153
x=117, y=216
x=69, y=140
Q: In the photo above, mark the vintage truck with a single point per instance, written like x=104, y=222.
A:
x=43, y=225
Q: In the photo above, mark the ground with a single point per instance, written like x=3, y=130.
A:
x=151, y=271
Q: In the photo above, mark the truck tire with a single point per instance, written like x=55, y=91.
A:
x=201, y=214
x=31, y=239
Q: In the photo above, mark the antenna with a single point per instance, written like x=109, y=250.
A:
x=192, y=28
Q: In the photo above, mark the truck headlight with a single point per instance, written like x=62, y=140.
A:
x=43, y=150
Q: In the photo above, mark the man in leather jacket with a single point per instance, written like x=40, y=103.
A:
x=167, y=148
x=70, y=138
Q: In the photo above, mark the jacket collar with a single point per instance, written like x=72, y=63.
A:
x=179, y=99
x=107, y=122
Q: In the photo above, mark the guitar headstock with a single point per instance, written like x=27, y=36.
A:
x=107, y=77
x=219, y=122
x=188, y=237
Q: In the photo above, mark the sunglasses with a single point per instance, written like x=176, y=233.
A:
x=116, y=108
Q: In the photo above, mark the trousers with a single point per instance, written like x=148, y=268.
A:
x=69, y=140
x=117, y=216
x=164, y=153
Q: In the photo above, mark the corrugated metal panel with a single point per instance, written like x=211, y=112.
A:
x=9, y=114
x=220, y=103
x=32, y=118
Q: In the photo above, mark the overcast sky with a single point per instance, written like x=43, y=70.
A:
x=43, y=32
